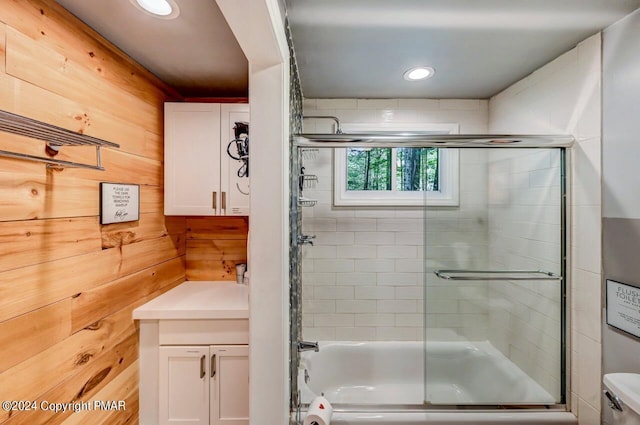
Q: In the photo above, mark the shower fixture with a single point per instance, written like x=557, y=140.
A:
x=306, y=239
x=308, y=346
x=329, y=117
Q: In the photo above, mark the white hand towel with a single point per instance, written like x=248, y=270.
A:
x=319, y=412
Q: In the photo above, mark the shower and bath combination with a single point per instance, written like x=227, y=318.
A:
x=463, y=312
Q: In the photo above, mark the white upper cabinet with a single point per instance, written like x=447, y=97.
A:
x=234, y=174
x=200, y=177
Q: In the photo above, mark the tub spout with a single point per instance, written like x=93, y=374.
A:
x=308, y=346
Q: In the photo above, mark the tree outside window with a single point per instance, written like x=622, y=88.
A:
x=414, y=169
x=398, y=176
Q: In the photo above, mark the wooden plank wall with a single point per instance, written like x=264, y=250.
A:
x=214, y=246
x=67, y=284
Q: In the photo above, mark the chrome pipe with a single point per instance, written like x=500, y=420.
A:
x=49, y=161
x=329, y=117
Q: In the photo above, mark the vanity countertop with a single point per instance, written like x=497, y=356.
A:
x=198, y=300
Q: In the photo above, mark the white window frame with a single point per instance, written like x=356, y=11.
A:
x=449, y=191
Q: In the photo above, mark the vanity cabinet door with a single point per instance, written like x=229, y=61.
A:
x=184, y=385
x=229, y=380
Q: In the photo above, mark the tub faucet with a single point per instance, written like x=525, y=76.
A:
x=306, y=239
x=307, y=346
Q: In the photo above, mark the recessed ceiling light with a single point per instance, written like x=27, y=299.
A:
x=419, y=73
x=163, y=9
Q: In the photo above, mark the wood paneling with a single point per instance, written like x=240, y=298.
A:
x=55, y=109
x=150, y=226
x=68, y=285
x=120, y=385
x=151, y=199
x=94, y=304
x=123, y=167
x=51, y=70
x=176, y=226
x=3, y=42
x=27, y=335
x=30, y=242
x=67, y=357
x=83, y=385
x=217, y=227
x=28, y=288
x=214, y=246
x=31, y=196
x=37, y=196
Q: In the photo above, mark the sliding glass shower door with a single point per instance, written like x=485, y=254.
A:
x=493, y=280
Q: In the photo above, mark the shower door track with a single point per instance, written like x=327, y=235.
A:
x=418, y=140
x=365, y=408
x=338, y=407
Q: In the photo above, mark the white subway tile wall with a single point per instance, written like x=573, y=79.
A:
x=563, y=97
x=381, y=249
x=366, y=267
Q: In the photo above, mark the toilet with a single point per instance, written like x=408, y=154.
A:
x=623, y=392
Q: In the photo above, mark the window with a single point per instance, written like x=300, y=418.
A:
x=396, y=176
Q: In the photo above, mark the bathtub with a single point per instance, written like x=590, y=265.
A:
x=383, y=383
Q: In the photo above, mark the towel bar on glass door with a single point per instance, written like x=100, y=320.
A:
x=496, y=275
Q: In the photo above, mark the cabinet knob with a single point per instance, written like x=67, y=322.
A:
x=213, y=365
x=215, y=200
x=224, y=201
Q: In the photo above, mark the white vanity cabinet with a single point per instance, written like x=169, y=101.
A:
x=194, y=355
x=204, y=385
x=200, y=177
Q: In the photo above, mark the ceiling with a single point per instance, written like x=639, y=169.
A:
x=361, y=48
x=196, y=53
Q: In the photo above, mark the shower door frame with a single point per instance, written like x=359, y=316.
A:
x=565, y=296
x=562, y=142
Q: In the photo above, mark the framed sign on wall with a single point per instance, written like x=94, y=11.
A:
x=623, y=307
x=119, y=202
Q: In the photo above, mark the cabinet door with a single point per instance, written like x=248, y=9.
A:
x=235, y=189
x=192, y=159
x=229, y=385
x=183, y=385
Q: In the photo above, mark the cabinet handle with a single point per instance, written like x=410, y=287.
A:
x=215, y=200
x=224, y=201
x=202, y=366
x=213, y=365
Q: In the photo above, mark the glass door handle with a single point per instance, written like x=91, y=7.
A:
x=496, y=275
